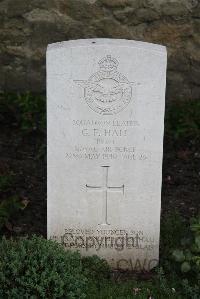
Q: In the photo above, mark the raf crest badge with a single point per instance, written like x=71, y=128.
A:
x=107, y=91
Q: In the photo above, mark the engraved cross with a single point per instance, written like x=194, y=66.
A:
x=105, y=188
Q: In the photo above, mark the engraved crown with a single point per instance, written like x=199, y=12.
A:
x=108, y=63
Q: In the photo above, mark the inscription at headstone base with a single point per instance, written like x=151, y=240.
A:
x=105, y=102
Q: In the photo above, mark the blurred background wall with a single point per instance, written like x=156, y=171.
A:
x=27, y=26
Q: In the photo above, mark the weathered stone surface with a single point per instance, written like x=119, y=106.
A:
x=80, y=10
x=124, y=15
x=17, y=8
x=110, y=28
x=147, y=15
x=31, y=25
x=173, y=9
x=116, y=3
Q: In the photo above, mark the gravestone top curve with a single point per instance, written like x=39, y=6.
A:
x=107, y=41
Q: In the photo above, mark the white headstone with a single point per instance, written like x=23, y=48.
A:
x=106, y=103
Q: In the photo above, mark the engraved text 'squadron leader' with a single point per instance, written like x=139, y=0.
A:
x=106, y=102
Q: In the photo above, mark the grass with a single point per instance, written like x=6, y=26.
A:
x=133, y=289
x=6, y=182
x=26, y=111
x=182, y=120
x=173, y=229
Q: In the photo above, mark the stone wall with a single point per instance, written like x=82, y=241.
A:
x=27, y=26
